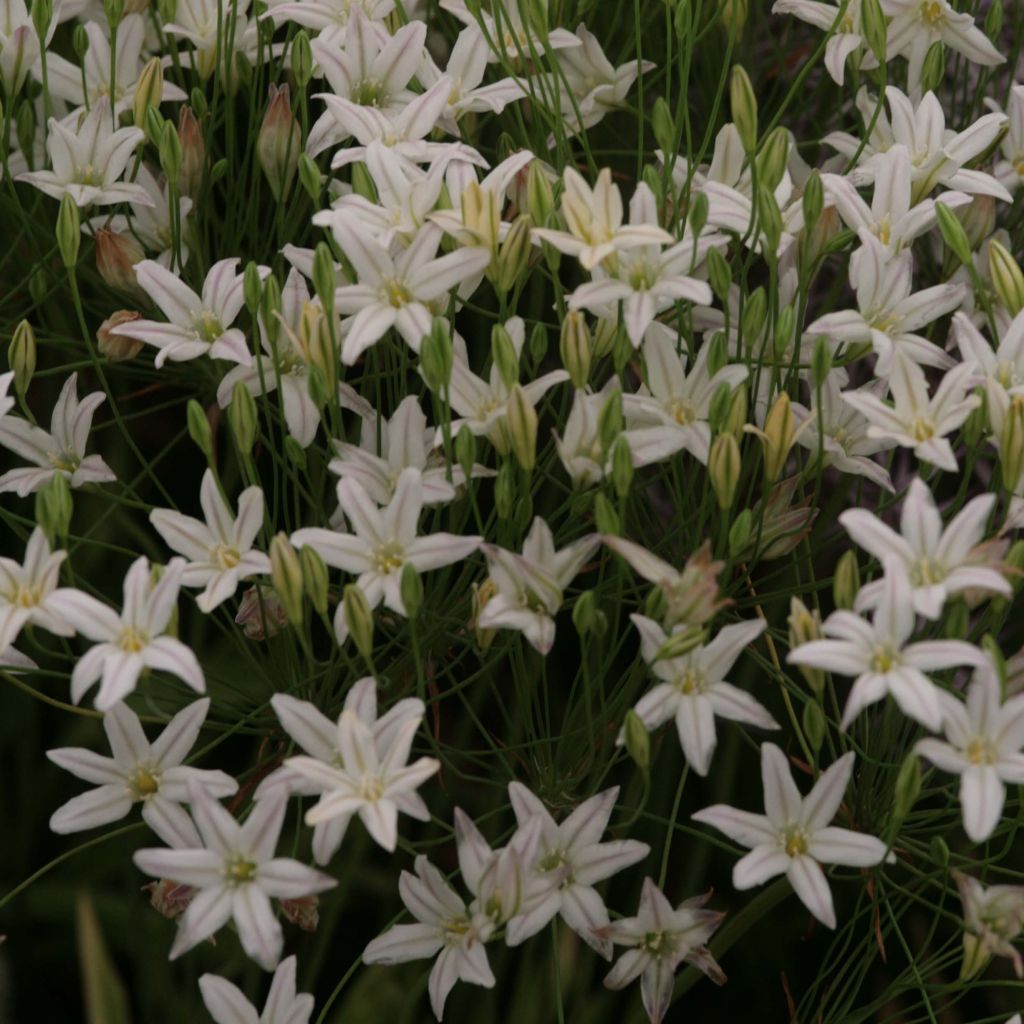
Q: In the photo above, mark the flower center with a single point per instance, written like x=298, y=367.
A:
x=388, y=559
x=454, y=929
x=67, y=462
x=884, y=231
x=371, y=788
x=225, y=556
x=395, y=292
x=884, y=660
x=927, y=571
x=27, y=597
x=932, y=12
x=981, y=751
x=691, y=681
x=132, y=640
x=795, y=841
x=924, y=429
x=207, y=325
x=143, y=783
x=658, y=944
x=683, y=413
x=239, y=871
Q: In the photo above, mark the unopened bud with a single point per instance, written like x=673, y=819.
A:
x=814, y=726
x=279, y=143
x=324, y=276
x=514, y=254
x=664, y=128
x=21, y=356
x=54, y=507
x=753, y=317
x=737, y=418
x=286, y=575
x=1007, y=278
x=437, y=356
x=314, y=578
x=610, y=419
x=411, y=590
x=193, y=152
x=504, y=354
x=1011, y=443
x=171, y=153
x=252, y=287
x=739, y=533
x=821, y=361
x=907, y=788
x=933, y=70
x=953, y=233
x=698, y=214
x=117, y=255
x=242, y=417
x=575, y=346
x=118, y=348
x=994, y=20
x=874, y=29
x=583, y=613
x=605, y=517
x=724, y=466
x=302, y=59
x=813, y=199
x=777, y=438
x=744, y=107
x=846, y=583
x=309, y=176
x=773, y=158
x=505, y=489
x=358, y=619
x=521, y=419
x=637, y=741
x=770, y=218
x=804, y=628
x=465, y=451
x=199, y=428
x=978, y=218
x=719, y=274
x=681, y=643
x=69, y=231
x=149, y=91
x=540, y=201
x=622, y=466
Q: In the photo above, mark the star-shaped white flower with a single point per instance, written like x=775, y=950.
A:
x=61, y=451
x=793, y=837
x=530, y=585
x=662, y=937
x=220, y=550
x=939, y=562
x=235, y=874
x=384, y=541
x=373, y=782
x=570, y=859
x=984, y=737
x=693, y=689
x=320, y=738
x=152, y=774
x=25, y=590
x=847, y=39
x=878, y=655
x=993, y=919
x=126, y=644
x=197, y=325
x=227, y=1005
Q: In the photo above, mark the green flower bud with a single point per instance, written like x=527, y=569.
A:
x=80, y=41
x=804, y=628
x=813, y=199
x=622, y=466
x=718, y=408
x=309, y=176
x=770, y=218
x=521, y=420
x=933, y=71
x=724, y=467
x=540, y=200
x=846, y=583
x=814, y=726
x=21, y=356
x=737, y=418
x=993, y=20
x=199, y=428
x=54, y=507
x=752, y=319
x=719, y=274
x=170, y=152
x=286, y=575
x=718, y=353
x=465, y=451
x=411, y=590
x=148, y=93
x=324, y=276
x=505, y=490
x=522, y=512
x=664, y=127
x=739, y=533
x=939, y=851
x=583, y=612
x=575, y=346
x=1007, y=278
x=197, y=101
x=637, y=741
x=782, y=337
x=279, y=143
x=610, y=419
x=69, y=231
x=513, y=254
x=504, y=354
x=698, y=214
x=656, y=604
x=302, y=59
x=605, y=516
x=537, y=344
x=874, y=29
x=777, y=438
x=821, y=362
x=294, y=452
x=38, y=283
x=773, y=158
x=744, y=107
x=218, y=170
x=953, y=233
x=437, y=356
x=1011, y=443
x=681, y=643
x=358, y=619
x=907, y=789
x=252, y=287
x=314, y=578
x=242, y=418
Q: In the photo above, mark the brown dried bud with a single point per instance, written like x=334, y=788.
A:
x=193, y=152
x=116, y=257
x=118, y=348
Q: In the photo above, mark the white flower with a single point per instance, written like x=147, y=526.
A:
x=197, y=325
x=140, y=772
x=320, y=739
x=1001, y=369
x=25, y=590
x=125, y=644
x=6, y=402
x=375, y=783
x=220, y=551
x=879, y=656
x=333, y=15
x=984, y=740
x=383, y=542
x=793, y=837
x=594, y=219
x=403, y=441
x=917, y=24
x=888, y=314
x=61, y=451
x=917, y=420
x=226, y=1004
x=235, y=873
x=662, y=937
x=445, y=926
x=842, y=432
x=693, y=689
x=400, y=292
x=88, y=162
x=1010, y=170
x=993, y=918
x=530, y=586
x=671, y=412
x=197, y=22
x=19, y=45
x=846, y=40
x=570, y=859
x=939, y=563
x=506, y=30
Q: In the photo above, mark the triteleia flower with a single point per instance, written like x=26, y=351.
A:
x=663, y=937
x=939, y=562
x=570, y=859
x=226, y=1004
x=197, y=325
x=126, y=644
x=993, y=918
x=793, y=837
x=87, y=162
x=1010, y=170
x=25, y=590
x=504, y=27
x=59, y=452
x=692, y=688
x=881, y=659
x=220, y=550
x=140, y=772
x=847, y=40
x=1002, y=368
x=235, y=874
x=984, y=737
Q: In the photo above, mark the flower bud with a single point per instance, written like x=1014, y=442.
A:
x=846, y=583
x=784, y=329
x=681, y=643
x=610, y=419
x=874, y=29
x=813, y=199
x=933, y=70
x=314, y=578
x=978, y=218
x=437, y=356
x=698, y=213
x=286, y=574
x=778, y=437
x=199, y=428
x=1011, y=443
x=664, y=128
x=814, y=726
x=719, y=274
x=1007, y=278
x=907, y=788
x=69, y=231
x=737, y=417
x=465, y=451
x=583, y=614
x=739, y=533
x=261, y=613
x=521, y=419
x=994, y=20
x=724, y=466
x=118, y=348
x=270, y=303
x=575, y=346
x=773, y=158
x=718, y=407
x=805, y=627
x=252, y=287
x=482, y=593
x=770, y=218
x=939, y=851
x=193, y=152
x=733, y=14
x=114, y=10
x=21, y=356
x=171, y=153
x=504, y=354
x=744, y=107
x=315, y=338
x=540, y=200
x=953, y=233
x=38, y=282
x=324, y=276
x=821, y=362
x=302, y=59
x=117, y=255
x=411, y=590
x=279, y=143
x=976, y=955
x=514, y=254
x=358, y=619
x=149, y=91
x=309, y=176
x=637, y=741
x=605, y=517
x=505, y=490
x=54, y=507
x=242, y=418
x=753, y=317
x=622, y=466
x=956, y=620
x=42, y=15
x=154, y=125
x=294, y=452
